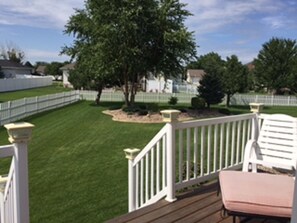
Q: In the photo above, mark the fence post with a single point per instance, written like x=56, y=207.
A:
x=170, y=116
x=130, y=155
x=19, y=135
x=289, y=100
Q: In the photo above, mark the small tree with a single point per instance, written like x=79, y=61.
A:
x=234, y=77
x=210, y=89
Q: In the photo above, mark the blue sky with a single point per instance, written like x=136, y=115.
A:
x=227, y=27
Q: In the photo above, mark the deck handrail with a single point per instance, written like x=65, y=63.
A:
x=14, y=197
x=210, y=145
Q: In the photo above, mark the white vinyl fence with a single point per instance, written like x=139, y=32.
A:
x=268, y=100
x=15, y=110
x=140, y=96
x=15, y=84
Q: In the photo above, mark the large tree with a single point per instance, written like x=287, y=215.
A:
x=274, y=66
x=234, y=77
x=128, y=39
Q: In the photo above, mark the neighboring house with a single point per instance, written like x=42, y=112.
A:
x=194, y=76
x=12, y=69
x=65, y=69
x=158, y=84
x=250, y=66
x=41, y=70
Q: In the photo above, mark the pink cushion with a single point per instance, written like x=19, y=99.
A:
x=257, y=193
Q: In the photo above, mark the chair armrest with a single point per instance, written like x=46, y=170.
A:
x=249, y=152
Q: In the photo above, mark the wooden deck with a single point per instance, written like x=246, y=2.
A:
x=201, y=205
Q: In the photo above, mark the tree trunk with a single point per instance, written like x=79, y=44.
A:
x=99, y=90
x=228, y=100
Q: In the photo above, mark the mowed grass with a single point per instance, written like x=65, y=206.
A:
x=77, y=168
x=9, y=96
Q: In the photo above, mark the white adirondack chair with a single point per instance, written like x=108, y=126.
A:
x=261, y=194
x=275, y=146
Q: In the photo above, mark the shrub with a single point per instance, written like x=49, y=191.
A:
x=114, y=107
x=131, y=109
x=142, y=112
x=197, y=103
x=224, y=111
x=173, y=100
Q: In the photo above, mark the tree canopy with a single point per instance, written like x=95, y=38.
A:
x=12, y=52
x=128, y=39
x=275, y=66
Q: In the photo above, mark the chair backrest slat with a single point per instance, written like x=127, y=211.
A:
x=278, y=141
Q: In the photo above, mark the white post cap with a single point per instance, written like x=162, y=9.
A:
x=256, y=107
x=131, y=153
x=170, y=115
x=19, y=132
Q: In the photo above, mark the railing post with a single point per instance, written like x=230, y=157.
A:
x=170, y=116
x=19, y=135
x=256, y=108
x=130, y=155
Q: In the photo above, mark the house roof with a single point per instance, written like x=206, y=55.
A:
x=41, y=69
x=250, y=66
x=69, y=66
x=198, y=73
x=11, y=64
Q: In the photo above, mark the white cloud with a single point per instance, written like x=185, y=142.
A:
x=34, y=55
x=38, y=13
x=216, y=14
x=275, y=22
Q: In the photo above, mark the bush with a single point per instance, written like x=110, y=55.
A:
x=114, y=107
x=131, y=109
x=142, y=112
x=224, y=111
x=197, y=103
x=173, y=100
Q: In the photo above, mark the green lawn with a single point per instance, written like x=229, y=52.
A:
x=77, y=168
x=9, y=96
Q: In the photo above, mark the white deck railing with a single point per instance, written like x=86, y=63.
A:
x=187, y=153
x=14, y=198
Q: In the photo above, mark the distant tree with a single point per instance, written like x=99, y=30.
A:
x=234, y=77
x=53, y=68
x=128, y=39
x=211, y=89
x=40, y=63
x=12, y=52
x=274, y=66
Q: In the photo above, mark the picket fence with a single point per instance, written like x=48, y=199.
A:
x=15, y=110
x=268, y=100
x=15, y=84
x=140, y=96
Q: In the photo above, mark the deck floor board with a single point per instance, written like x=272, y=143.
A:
x=201, y=205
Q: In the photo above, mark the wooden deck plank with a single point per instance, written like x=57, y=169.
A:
x=201, y=205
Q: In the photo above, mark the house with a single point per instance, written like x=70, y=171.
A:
x=157, y=84
x=11, y=69
x=65, y=69
x=40, y=70
x=194, y=76
x=250, y=66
